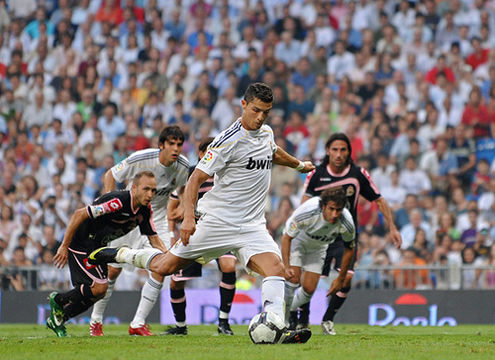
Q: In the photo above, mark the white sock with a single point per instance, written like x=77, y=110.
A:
x=290, y=289
x=272, y=295
x=140, y=258
x=149, y=295
x=301, y=298
x=100, y=305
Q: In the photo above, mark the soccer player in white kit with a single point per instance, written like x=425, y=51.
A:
x=314, y=225
x=171, y=170
x=233, y=212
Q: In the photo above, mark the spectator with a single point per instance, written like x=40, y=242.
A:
x=414, y=179
x=476, y=116
x=409, y=277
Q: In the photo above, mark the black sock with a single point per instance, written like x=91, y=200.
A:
x=335, y=304
x=76, y=301
x=227, y=291
x=178, y=300
x=304, y=314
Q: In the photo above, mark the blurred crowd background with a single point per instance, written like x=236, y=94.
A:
x=86, y=83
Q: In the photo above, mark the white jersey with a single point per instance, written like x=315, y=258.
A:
x=168, y=178
x=241, y=161
x=308, y=226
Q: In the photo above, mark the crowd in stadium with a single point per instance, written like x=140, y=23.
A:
x=86, y=83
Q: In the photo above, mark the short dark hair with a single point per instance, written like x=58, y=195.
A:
x=171, y=132
x=260, y=91
x=203, y=145
x=335, y=137
x=335, y=194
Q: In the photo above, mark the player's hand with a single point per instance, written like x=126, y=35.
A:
x=177, y=214
x=396, y=238
x=187, y=228
x=60, y=258
x=337, y=284
x=308, y=167
x=289, y=274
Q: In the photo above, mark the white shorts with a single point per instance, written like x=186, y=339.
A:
x=135, y=240
x=214, y=238
x=308, y=257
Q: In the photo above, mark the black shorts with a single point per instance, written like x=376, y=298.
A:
x=81, y=272
x=336, y=251
x=193, y=270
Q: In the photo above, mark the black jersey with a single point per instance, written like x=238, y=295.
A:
x=355, y=181
x=111, y=216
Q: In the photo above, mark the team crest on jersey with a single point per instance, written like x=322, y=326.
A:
x=207, y=158
x=120, y=166
x=349, y=191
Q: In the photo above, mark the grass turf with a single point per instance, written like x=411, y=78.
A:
x=357, y=342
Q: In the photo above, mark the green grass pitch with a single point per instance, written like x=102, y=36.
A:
x=357, y=342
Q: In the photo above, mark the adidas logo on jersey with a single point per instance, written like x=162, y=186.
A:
x=259, y=164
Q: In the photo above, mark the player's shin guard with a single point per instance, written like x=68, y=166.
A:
x=301, y=298
x=336, y=303
x=149, y=294
x=227, y=292
x=140, y=258
x=290, y=289
x=76, y=301
x=100, y=305
x=272, y=294
x=178, y=301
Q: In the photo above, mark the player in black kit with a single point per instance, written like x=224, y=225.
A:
x=111, y=216
x=338, y=169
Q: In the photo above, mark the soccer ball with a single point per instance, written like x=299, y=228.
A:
x=266, y=328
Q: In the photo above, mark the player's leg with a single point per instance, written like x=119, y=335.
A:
x=178, y=297
x=90, y=285
x=149, y=295
x=226, y=265
x=307, y=289
x=132, y=240
x=151, y=289
x=297, y=255
x=96, y=322
x=290, y=288
x=332, y=251
x=337, y=300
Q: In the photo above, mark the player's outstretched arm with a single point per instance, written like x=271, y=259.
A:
x=282, y=157
x=157, y=243
x=338, y=283
x=60, y=258
x=389, y=219
x=189, y=198
x=108, y=181
x=286, y=241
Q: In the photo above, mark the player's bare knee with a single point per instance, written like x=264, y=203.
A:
x=157, y=277
x=99, y=290
x=309, y=288
x=113, y=272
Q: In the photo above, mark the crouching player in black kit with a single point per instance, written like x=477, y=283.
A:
x=111, y=216
x=338, y=169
